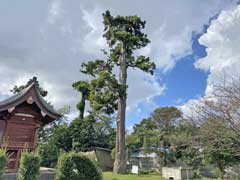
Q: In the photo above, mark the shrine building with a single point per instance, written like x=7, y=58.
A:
x=20, y=117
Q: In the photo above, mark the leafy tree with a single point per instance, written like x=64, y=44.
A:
x=133, y=142
x=153, y=134
x=58, y=140
x=141, y=133
x=165, y=119
x=82, y=133
x=187, y=145
x=220, y=144
x=218, y=117
x=92, y=131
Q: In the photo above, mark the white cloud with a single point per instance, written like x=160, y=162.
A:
x=189, y=108
x=223, y=52
x=93, y=41
x=55, y=11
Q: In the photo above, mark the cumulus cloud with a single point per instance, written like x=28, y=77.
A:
x=223, y=52
x=50, y=39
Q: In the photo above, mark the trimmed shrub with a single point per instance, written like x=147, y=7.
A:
x=29, y=166
x=76, y=166
x=3, y=161
x=48, y=155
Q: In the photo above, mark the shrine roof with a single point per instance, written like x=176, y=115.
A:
x=31, y=92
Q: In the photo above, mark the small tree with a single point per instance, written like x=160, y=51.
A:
x=219, y=144
x=29, y=166
x=165, y=119
x=219, y=118
x=186, y=142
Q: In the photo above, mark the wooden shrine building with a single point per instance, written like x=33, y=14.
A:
x=20, y=117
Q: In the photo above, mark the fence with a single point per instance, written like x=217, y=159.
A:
x=43, y=176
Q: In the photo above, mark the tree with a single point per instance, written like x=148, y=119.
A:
x=165, y=119
x=169, y=135
x=84, y=88
x=156, y=134
x=59, y=140
x=220, y=144
x=218, y=116
x=187, y=145
x=223, y=103
x=92, y=131
x=124, y=35
x=141, y=132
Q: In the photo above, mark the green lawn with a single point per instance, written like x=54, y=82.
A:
x=111, y=176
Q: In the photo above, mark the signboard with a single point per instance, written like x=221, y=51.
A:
x=135, y=169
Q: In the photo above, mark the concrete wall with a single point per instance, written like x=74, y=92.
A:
x=105, y=160
x=102, y=157
x=43, y=176
x=177, y=173
x=211, y=171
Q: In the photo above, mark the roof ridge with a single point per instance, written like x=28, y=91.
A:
x=33, y=81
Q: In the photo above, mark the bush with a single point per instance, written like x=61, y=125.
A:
x=3, y=161
x=48, y=155
x=29, y=166
x=76, y=166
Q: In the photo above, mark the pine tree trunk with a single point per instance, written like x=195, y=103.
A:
x=120, y=157
x=222, y=170
x=82, y=108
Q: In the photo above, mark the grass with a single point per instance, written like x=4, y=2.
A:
x=111, y=176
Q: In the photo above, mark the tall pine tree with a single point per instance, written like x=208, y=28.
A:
x=124, y=35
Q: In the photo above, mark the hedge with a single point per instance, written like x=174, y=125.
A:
x=3, y=161
x=29, y=166
x=76, y=166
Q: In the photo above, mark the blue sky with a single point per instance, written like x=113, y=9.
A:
x=183, y=82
